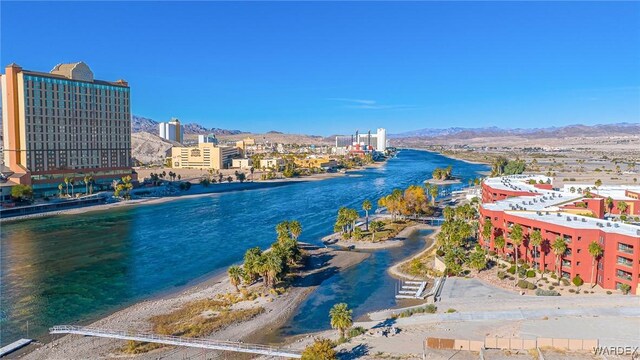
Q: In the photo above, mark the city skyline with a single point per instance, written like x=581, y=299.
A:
x=329, y=68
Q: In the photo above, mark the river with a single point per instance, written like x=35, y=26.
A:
x=71, y=269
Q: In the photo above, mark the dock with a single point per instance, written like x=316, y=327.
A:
x=8, y=349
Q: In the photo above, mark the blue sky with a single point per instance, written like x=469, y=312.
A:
x=326, y=68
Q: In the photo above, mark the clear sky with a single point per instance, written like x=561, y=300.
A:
x=326, y=68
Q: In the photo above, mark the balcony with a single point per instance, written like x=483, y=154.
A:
x=624, y=262
x=625, y=248
x=566, y=263
x=623, y=275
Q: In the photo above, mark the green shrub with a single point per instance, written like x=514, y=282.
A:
x=451, y=310
x=554, y=276
x=526, y=266
x=541, y=292
x=512, y=270
x=531, y=286
x=531, y=273
x=356, y=331
x=501, y=275
x=440, y=252
x=625, y=288
x=523, y=284
x=577, y=281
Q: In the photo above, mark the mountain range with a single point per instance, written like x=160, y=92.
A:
x=143, y=124
x=578, y=130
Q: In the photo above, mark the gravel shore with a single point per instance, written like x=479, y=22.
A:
x=322, y=264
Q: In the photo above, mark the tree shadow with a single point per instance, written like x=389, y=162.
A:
x=354, y=353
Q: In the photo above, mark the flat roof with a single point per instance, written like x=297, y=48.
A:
x=62, y=77
x=578, y=222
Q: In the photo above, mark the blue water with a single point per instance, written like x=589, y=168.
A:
x=69, y=269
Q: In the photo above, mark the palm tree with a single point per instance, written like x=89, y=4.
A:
x=598, y=183
x=487, y=230
x=60, y=190
x=66, y=181
x=433, y=191
x=609, y=203
x=499, y=242
x=366, y=206
x=251, y=264
x=235, y=275
x=516, y=236
x=535, y=239
x=341, y=319
x=622, y=206
x=595, y=250
x=559, y=247
x=72, y=187
x=282, y=229
x=295, y=228
x=272, y=267
x=375, y=226
x=86, y=184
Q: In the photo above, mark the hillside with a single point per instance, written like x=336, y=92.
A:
x=149, y=148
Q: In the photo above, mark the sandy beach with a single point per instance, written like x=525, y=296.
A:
x=322, y=264
x=396, y=241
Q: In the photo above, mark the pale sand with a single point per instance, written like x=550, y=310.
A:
x=323, y=263
x=396, y=241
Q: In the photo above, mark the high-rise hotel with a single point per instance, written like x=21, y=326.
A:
x=63, y=124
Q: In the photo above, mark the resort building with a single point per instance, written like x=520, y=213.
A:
x=171, y=130
x=243, y=163
x=530, y=202
x=273, y=163
x=316, y=162
x=244, y=144
x=362, y=142
x=203, y=156
x=63, y=124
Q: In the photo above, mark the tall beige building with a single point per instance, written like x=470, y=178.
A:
x=63, y=124
x=203, y=156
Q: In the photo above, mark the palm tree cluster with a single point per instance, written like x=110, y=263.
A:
x=503, y=166
x=442, y=173
x=413, y=201
x=453, y=239
x=123, y=187
x=346, y=220
x=273, y=265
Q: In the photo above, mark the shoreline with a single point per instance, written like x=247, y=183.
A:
x=277, y=309
x=452, y=157
x=395, y=241
x=196, y=191
x=394, y=270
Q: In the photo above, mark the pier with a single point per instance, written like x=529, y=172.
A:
x=176, y=341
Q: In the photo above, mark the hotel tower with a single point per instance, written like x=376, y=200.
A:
x=63, y=124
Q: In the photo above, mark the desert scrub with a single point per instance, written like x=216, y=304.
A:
x=201, y=317
x=428, y=309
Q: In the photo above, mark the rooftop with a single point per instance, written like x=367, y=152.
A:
x=578, y=222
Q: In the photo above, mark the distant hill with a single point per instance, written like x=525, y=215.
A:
x=143, y=124
x=619, y=129
x=149, y=148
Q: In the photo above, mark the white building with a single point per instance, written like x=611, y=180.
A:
x=381, y=138
x=171, y=130
x=244, y=163
x=211, y=138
